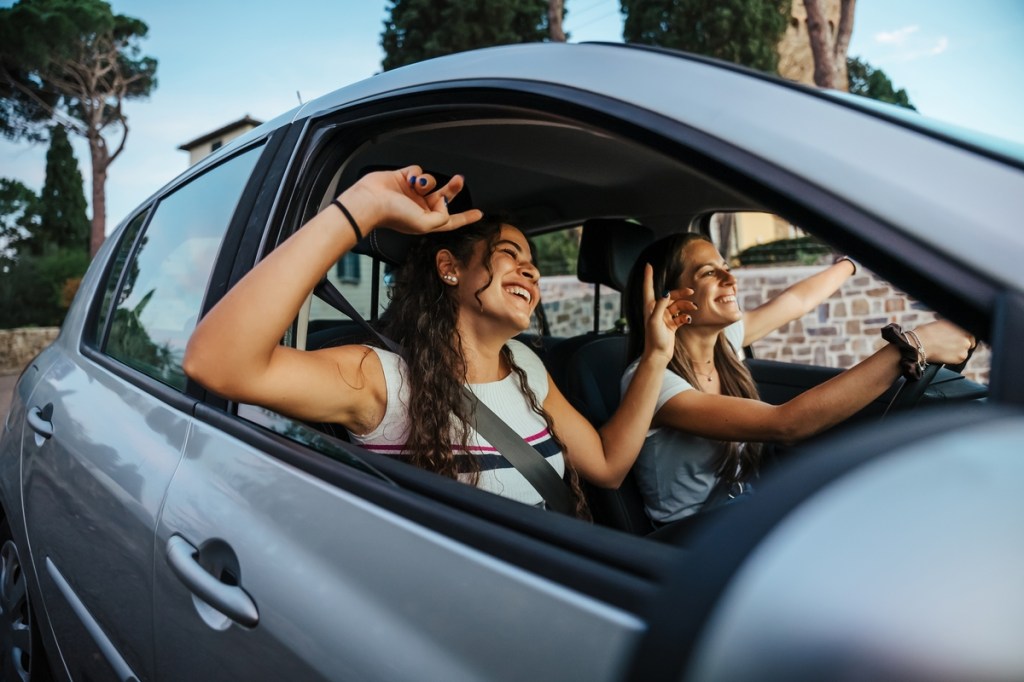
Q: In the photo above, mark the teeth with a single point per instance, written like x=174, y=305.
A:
x=727, y=299
x=519, y=291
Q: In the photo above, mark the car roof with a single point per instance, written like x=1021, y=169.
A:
x=937, y=188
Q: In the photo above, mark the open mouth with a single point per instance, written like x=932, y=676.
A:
x=726, y=299
x=521, y=292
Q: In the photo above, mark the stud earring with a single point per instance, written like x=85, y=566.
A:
x=450, y=278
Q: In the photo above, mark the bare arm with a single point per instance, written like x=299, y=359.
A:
x=739, y=419
x=604, y=457
x=235, y=350
x=795, y=301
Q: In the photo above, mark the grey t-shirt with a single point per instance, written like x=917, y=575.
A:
x=675, y=470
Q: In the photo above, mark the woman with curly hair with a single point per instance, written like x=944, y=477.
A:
x=466, y=289
x=710, y=423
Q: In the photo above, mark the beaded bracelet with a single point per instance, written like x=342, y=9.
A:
x=351, y=220
x=913, y=359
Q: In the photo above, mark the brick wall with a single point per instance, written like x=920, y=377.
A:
x=840, y=332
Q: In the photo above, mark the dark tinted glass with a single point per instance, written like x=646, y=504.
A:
x=123, y=249
x=162, y=292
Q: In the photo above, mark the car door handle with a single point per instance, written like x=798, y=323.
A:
x=39, y=420
x=231, y=600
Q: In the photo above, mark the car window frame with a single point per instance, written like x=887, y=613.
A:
x=92, y=340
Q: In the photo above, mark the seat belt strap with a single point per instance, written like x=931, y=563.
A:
x=516, y=451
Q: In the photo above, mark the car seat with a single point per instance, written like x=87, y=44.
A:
x=588, y=368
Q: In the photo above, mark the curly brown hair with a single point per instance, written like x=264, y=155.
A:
x=735, y=462
x=422, y=319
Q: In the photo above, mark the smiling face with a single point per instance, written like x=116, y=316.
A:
x=506, y=292
x=707, y=273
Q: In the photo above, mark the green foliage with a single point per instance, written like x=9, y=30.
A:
x=420, y=29
x=556, y=252
x=62, y=219
x=18, y=217
x=799, y=251
x=72, y=57
x=33, y=288
x=745, y=32
x=868, y=81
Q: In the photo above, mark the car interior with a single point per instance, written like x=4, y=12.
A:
x=545, y=173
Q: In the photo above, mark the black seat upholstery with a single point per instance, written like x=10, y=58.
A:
x=588, y=368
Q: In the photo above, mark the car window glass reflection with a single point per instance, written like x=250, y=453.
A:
x=162, y=292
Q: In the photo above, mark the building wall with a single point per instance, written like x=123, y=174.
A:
x=200, y=152
x=795, y=59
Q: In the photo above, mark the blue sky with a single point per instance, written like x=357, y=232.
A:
x=960, y=62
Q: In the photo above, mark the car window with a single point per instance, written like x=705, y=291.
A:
x=768, y=254
x=162, y=290
x=114, y=275
x=568, y=303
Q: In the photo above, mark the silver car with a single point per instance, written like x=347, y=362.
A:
x=154, y=531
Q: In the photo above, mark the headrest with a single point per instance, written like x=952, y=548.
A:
x=608, y=249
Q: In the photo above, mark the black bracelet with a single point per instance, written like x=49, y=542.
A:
x=351, y=220
x=912, y=360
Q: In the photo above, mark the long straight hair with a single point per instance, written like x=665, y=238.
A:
x=736, y=461
x=422, y=318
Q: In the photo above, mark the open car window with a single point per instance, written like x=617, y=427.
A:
x=768, y=253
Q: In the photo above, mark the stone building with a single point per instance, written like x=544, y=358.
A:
x=795, y=59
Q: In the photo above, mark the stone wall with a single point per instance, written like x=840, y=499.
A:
x=840, y=332
x=19, y=346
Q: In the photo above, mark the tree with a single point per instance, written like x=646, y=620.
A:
x=74, y=62
x=829, y=53
x=556, y=12
x=741, y=31
x=18, y=217
x=421, y=29
x=870, y=82
x=62, y=219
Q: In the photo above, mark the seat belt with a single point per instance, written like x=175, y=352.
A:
x=516, y=451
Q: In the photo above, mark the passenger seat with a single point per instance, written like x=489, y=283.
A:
x=588, y=368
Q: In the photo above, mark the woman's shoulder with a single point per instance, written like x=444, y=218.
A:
x=523, y=354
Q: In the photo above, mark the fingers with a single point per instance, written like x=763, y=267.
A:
x=648, y=286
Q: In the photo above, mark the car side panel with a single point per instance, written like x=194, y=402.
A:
x=92, y=492
x=347, y=590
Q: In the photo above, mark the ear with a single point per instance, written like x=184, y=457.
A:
x=446, y=263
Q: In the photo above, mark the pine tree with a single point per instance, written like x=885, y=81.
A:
x=745, y=32
x=868, y=81
x=63, y=222
x=421, y=29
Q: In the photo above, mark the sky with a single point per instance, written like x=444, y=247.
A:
x=960, y=62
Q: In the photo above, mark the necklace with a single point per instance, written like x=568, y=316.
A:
x=708, y=375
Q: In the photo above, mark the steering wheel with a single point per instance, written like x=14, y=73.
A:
x=910, y=392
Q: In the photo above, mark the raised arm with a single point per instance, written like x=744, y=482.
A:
x=739, y=419
x=604, y=457
x=236, y=351
x=795, y=301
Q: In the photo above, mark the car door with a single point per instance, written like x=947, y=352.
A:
x=282, y=563
x=108, y=423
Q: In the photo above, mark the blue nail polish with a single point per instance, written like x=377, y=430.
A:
x=665, y=293
x=412, y=180
x=423, y=182
x=445, y=200
x=689, y=319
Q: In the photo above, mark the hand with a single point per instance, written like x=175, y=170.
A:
x=405, y=200
x=944, y=342
x=663, y=315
